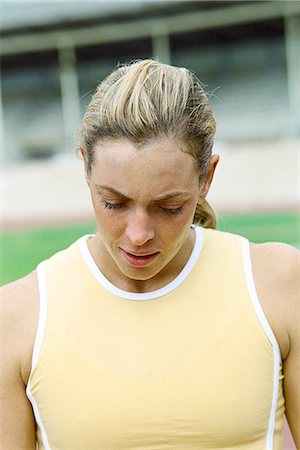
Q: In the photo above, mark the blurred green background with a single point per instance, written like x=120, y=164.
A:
x=21, y=251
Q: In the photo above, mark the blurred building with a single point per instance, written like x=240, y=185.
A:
x=245, y=52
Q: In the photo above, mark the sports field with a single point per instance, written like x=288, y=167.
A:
x=21, y=251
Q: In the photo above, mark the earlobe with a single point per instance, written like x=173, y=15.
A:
x=209, y=177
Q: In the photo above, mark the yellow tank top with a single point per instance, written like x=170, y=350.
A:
x=191, y=366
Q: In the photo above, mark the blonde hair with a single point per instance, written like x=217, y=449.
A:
x=145, y=100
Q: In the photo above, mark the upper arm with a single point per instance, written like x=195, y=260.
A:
x=19, y=307
x=277, y=277
x=291, y=364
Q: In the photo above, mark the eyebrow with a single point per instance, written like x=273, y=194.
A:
x=158, y=199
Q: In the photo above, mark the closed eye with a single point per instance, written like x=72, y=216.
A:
x=113, y=205
x=120, y=205
x=178, y=210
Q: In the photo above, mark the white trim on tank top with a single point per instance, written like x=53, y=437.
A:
x=82, y=242
x=36, y=350
x=268, y=330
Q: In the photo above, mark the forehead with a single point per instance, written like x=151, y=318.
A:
x=148, y=170
x=163, y=154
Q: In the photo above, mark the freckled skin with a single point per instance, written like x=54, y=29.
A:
x=127, y=185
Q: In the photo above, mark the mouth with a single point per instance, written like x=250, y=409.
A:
x=138, y=260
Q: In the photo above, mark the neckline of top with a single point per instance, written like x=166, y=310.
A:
x=96, y=272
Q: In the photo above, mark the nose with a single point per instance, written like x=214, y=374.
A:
x=139, y=229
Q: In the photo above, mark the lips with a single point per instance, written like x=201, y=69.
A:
x=138, y=260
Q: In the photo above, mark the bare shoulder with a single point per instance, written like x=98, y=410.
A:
x=278, y=265
x=281, y=256
x=20, y=311
x=276, y=270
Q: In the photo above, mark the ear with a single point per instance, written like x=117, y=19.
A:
x=209, y=177
x=84, y=156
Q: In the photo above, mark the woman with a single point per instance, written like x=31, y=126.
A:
x=157, y=332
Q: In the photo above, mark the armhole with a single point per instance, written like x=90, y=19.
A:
x=254, y=297
x=36, y=350
x=42, y=317
x=269, y=332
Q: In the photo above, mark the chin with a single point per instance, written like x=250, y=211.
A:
x=139, y=273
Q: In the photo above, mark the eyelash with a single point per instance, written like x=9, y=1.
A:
x=173, y=210
x=116, y=206
x=113, y=205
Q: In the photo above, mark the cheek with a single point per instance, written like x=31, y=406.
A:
x=109, y=226
x=175, y=230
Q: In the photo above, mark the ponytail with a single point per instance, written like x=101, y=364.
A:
x=205, y=216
